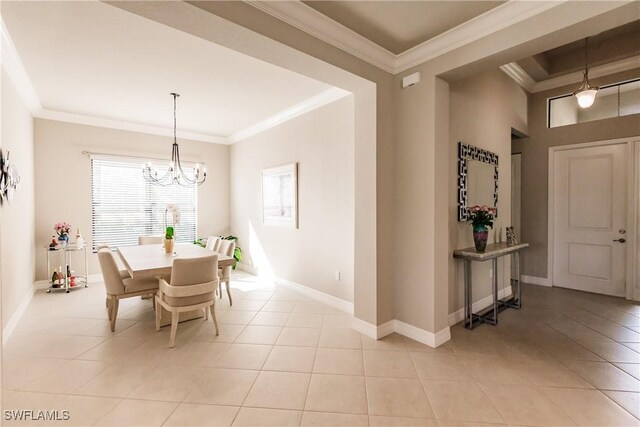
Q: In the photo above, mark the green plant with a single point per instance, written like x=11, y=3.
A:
x=237, y=253
x=200, y=242
x=169, y=233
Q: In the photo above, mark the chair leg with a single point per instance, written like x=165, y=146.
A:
x=174, y=329
x=229, y=291
x=158, y=309
x=220, y=289
x=206, y=314
x=107, y=301
x=109, y=313
x=114, y=312
x=212, y=308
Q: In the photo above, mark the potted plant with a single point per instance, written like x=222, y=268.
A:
x=169, y=233
x=481, y=218
x=62, y=230
x=237, y=253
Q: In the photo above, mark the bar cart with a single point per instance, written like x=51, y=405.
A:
x=66, y=251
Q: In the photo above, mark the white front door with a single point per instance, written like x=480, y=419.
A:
x=590, y=218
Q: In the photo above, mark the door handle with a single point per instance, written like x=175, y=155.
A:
x=621, y=240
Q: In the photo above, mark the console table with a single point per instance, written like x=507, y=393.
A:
x=492, y=252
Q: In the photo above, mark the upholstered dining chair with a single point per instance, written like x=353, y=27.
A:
x=149, y=240
x=119, y=288
x=213, y=243
x=193, y=282
x=227, y=247
x=124, y=274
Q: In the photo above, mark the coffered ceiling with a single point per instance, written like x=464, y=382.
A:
x=400, y=25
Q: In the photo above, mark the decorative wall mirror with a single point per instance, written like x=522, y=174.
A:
x=477, y=179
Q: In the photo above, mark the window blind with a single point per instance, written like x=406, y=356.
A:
x=125, y=206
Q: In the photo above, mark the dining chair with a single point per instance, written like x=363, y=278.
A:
x=191, y=287
x=117, y=287
x=123, y=272
x=149, y=240
x=227, y=247
x=213, y=243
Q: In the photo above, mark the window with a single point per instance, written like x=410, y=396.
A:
x=124, y=205
x=616, y=100
x=279, y=195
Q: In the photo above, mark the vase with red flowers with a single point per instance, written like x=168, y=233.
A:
x=481, y=219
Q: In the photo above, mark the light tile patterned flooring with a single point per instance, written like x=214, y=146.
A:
x=566, y=358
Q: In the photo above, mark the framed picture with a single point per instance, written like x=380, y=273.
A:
x=280, y=195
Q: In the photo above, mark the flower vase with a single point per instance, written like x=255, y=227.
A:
x=63, y=239
x=168, y=246
x=480, y=235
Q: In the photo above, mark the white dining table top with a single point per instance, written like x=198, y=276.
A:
x=150, y=260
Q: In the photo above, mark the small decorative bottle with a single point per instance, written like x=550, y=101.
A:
x=53, y=244
x=79, y=239
x=54, y=279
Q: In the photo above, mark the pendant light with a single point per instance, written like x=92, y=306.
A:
x=175, y=174
x=586, y=93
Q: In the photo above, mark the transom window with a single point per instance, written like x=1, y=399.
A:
x=616, y=100
x=125, y=206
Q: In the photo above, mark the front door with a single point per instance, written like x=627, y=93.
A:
x=590, y=218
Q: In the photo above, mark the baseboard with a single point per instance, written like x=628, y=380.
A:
x=11, y=325
x=336, y=302
x=485, y=302
x=422, y=336
x=365, y=328
x=248, y=268
x=533, y=280
x=44, y=284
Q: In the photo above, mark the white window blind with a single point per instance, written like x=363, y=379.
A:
x=125, y=206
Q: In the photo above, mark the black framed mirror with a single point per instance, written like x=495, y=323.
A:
x=477, y=179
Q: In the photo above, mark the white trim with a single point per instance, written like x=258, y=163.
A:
x=492, y=21
x=635, y=247
x=376, y=332
x=124, y=125
x=248, y=268
x=309, y=104
x=17, y=73
x=11, y=325
x=309, y=20
x=534, y=280
x=458, y=316
x=520, y=76
x=331, y=300
x=421, y=335
x=631, y=226
x=365, y=328
x=320, y=26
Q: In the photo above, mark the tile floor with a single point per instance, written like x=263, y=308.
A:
x=566, y=358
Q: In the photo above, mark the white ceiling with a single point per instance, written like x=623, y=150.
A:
x=92, y=59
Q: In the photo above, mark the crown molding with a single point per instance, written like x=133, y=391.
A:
x=309, y=20
x=81, y=119
x=309, y=104
x=521, y=77
x=490, y=22
x=14, y=68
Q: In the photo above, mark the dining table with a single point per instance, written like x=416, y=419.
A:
x=152, y=261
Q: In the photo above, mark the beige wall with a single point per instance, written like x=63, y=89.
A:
x=322, y=143
x=483, y=109
x=535, y=167
x=63, y=177
x=17, y=237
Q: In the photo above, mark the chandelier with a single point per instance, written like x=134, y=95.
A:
x=175, y=174
x=586, y=93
